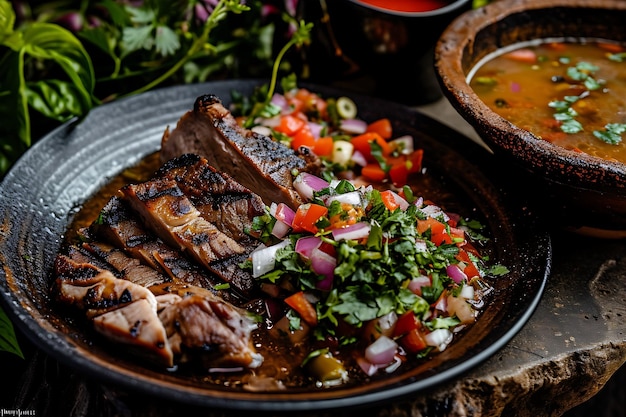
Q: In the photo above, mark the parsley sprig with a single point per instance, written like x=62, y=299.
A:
x=565, y=114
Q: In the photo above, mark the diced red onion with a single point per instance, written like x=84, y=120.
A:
x=416, y=284
x=264, y=258
x=282, y=212
x=441, y=304
x=280, y=229
x=405, y=143
x=305, y=245
x=323, y=264
x=353, y=126
x=280, y=101
x=355, y=231
x=455, y=273
x=358, y=158
x=382, y=351
x=305, y=184
x=439, y=338
x=315, y=129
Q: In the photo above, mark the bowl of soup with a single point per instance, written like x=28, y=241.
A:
x=543, y=83
x=379, y=47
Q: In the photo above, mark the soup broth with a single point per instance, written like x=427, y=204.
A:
x=570, y=94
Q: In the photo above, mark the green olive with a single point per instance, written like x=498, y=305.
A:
x=346, y=108
x=326, y=368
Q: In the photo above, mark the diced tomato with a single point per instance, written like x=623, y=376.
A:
x=323, y=146
x=299, y=303
x=435, y=226
x=441, y=238
x=303, y=137
x=362, y=144
x=307, y=215
x=389, y=200
x=413, y=341
x=399, y=174
x=290, y=125
x=470, y=268
x=382, y=127
x=406, y=322
x=415, y=158
x=523, y=55
x=373, y=172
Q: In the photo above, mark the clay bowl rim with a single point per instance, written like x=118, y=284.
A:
x=554, y=163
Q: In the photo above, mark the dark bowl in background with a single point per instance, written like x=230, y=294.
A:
x=583, y=193
x=377, y=51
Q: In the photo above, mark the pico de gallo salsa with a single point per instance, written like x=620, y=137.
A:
x=369, y=279
x=368, y=276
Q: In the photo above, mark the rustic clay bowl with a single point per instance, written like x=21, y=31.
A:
x=584, y=193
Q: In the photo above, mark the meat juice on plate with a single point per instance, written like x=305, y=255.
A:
x=355, y=282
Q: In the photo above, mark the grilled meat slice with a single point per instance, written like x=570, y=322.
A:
x=130, y=269
x=119, y=225
x=166, y=211
x=95, y=290
x=220, y=199
x=120, y=310
x=200, y=324
x=137, y=325
x=259, y=163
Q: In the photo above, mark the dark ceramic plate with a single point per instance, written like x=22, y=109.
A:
x=43, y=192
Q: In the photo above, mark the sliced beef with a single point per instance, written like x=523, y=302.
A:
x=137, y=326
x=119, y=225
x=167, y=212
x=256, y=161
x=95, y=290
x=128, y=268
x=210, y=327
x=120, y=310
x=220, y=199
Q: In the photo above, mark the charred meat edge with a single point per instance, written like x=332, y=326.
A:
x=256, y=161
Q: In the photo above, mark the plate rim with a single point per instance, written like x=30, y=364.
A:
x=58, y=347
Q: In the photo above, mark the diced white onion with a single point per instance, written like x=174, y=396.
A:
x=264, y=258
x=467, y=292
x=262, y=130
x=382, y=351
x=439, y=338
x=405, y=143
x=342, y=152
x=434, y=212
x=354, y=198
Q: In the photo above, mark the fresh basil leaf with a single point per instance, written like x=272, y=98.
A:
x=56, y=99
x=7, y=20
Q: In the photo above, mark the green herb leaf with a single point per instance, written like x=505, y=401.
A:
x=8, y=340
